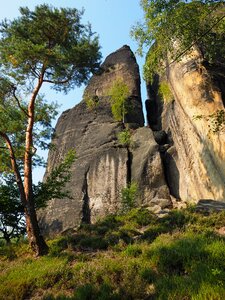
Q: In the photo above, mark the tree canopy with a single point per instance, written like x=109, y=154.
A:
x=185, y=23
x=47, y=45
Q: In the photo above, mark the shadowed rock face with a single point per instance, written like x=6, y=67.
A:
x=103, y=167
x=195, y=164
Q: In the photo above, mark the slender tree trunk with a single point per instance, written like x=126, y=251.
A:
x=35, y=238
x=36, y=241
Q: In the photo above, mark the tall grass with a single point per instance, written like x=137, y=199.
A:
x=131, y=256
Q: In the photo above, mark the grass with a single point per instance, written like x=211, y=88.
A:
x=132, y=256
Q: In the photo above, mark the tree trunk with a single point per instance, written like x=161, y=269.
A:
x=35, y=238
x=36, y=241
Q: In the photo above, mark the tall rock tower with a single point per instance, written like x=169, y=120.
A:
x=103, y=166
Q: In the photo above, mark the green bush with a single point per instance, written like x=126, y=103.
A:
x=124, y=137
x=29, y=274
x=140, y=216
x=128, y=196
x=153, y=231
x=58, y=245
x=119, y=93
x=91, y=102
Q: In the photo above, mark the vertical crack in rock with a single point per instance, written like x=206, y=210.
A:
x=86, y=213
x=129, y=166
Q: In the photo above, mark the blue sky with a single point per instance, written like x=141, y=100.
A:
x=110, y=19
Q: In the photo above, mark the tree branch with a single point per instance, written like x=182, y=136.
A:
x=18, y=102
x=15, y=167
x=56, y=82
x=197, y=40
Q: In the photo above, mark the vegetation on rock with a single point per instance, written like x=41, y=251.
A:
x=124, y=137
x=165, y=92
x=216, y=121
x=119, y=93
x=91, y=102
x=171, y=28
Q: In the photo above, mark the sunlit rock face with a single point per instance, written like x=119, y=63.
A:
x=103, y=166
x=194, y=160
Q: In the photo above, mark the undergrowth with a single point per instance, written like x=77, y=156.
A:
x=130, y=256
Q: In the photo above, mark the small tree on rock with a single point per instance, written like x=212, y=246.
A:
x=119, y=93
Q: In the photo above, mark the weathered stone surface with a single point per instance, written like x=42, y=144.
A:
x=195, y=166
x=100, y=170
x=121, y=64
x=208, y=205
x=106, y=178
x=147, y=170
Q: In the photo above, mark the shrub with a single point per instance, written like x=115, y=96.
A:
x=128, y=196
x=124, y=138
x=58, y=245
x=119, y=93
x=91, y=102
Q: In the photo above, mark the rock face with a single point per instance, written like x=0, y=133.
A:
x=103, y=166
x=147, y=170
x=194, y=160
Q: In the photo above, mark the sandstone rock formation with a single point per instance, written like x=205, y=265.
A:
x=194, y=157
x=103, y=166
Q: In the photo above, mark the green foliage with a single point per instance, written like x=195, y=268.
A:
x=129, y=196
x=91, y=102
x=119, y=93
x=165, y=92
x=47, y=45
x=51, y=39
x=216, y=121
x=133, y=250
x=185, y=260
x=13, y=123
x=139, y=217
x=124, y=137
x=186, y=264
x=29, y=275
x=32, y=46
x=173, y=27
x=55, y=184
x=12, y=224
